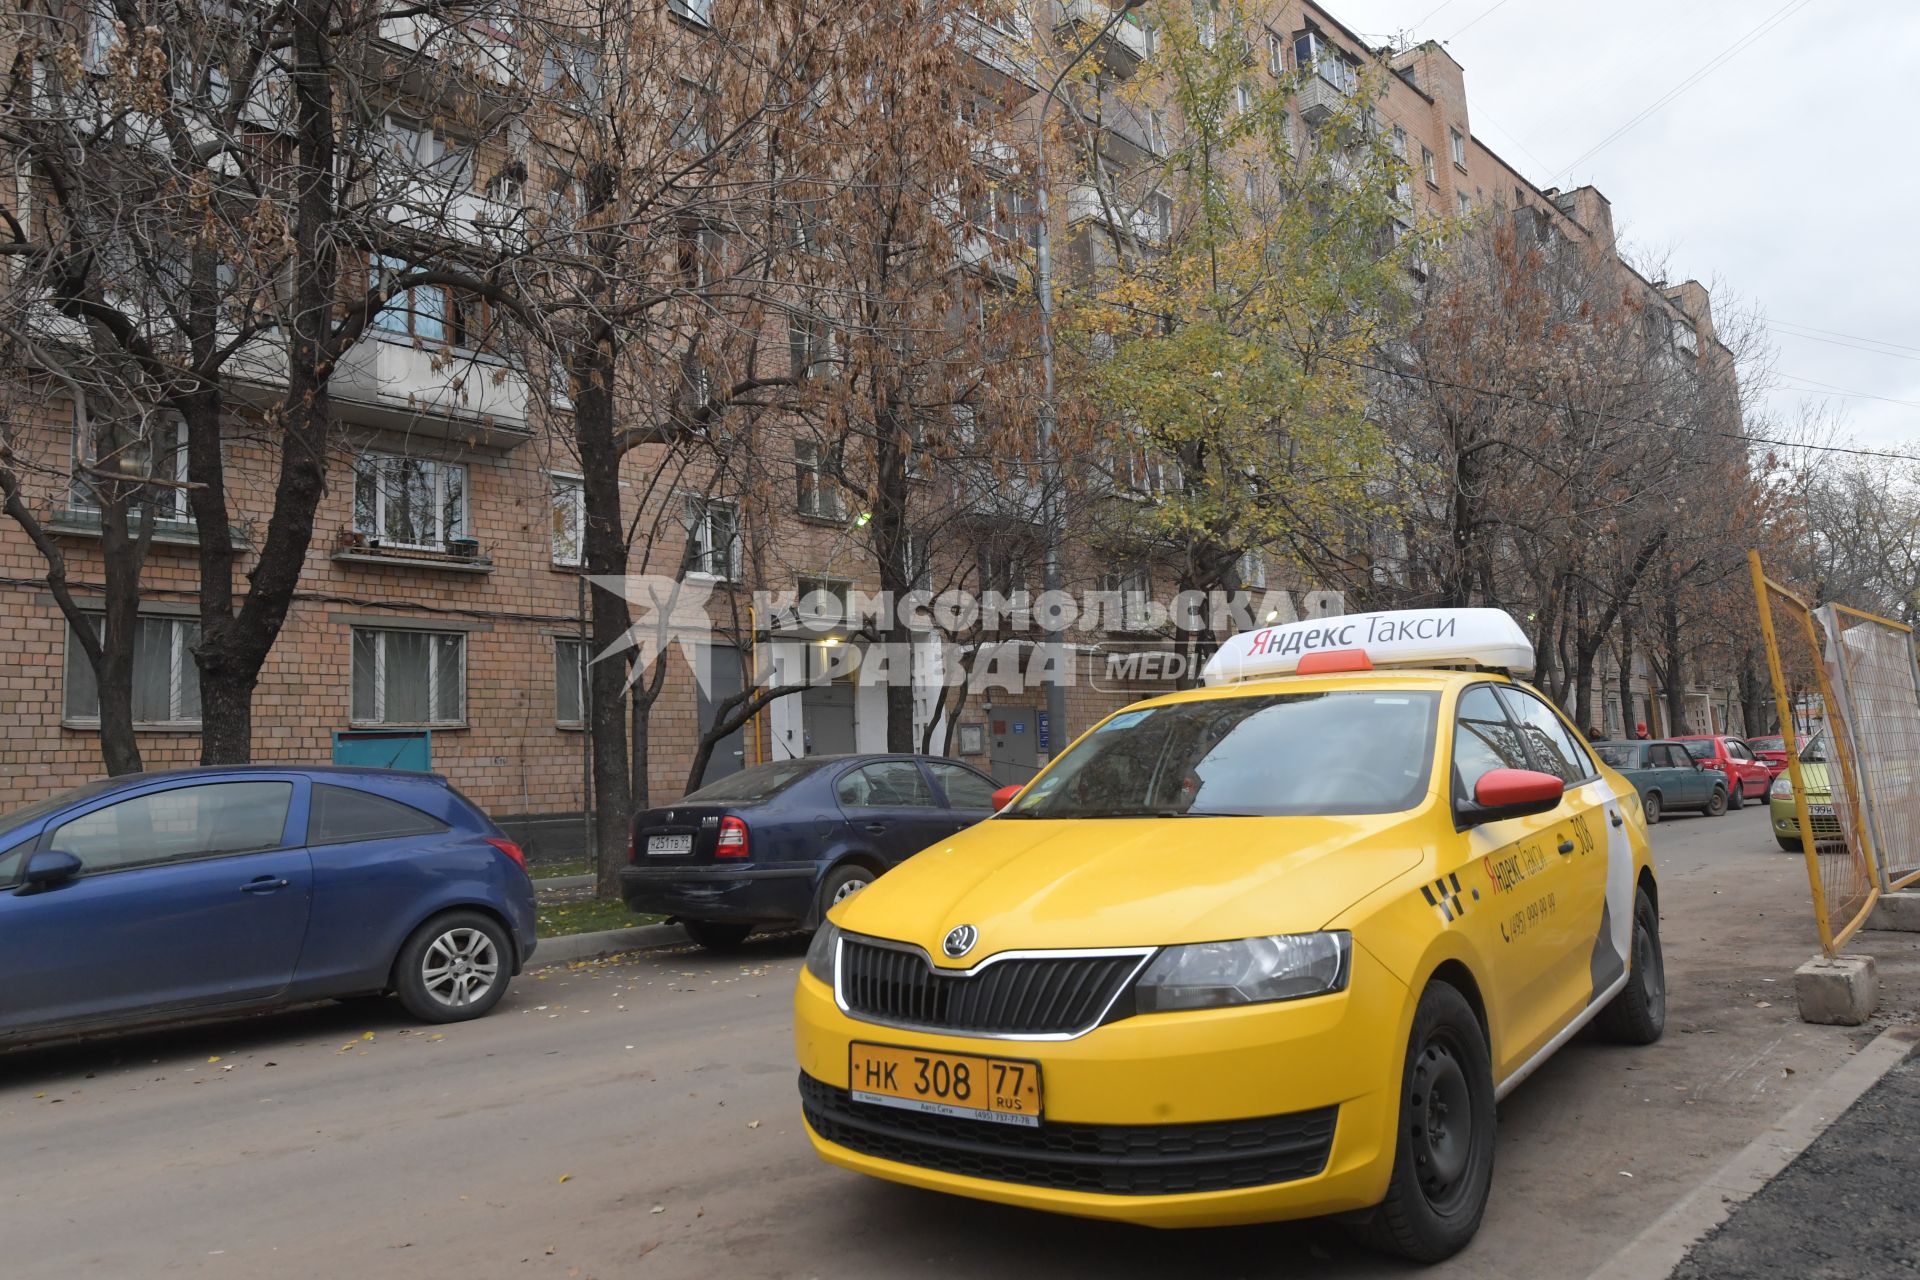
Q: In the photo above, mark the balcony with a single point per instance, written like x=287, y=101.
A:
x=458, y=555
x=1120, y=47
x=467, y=396
x=1149, y=224
x=1319, y=100
x=428, y=205
x=1003, y=44
x=474, y=47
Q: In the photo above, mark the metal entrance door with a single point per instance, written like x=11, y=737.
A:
x=1015, y=754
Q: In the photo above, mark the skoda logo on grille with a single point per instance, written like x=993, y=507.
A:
x=960, y=940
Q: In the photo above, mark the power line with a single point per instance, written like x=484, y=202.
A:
x=1878, y=342
x=1836, y=342
x=1444, y=4
x=1516, y=398
x=1713, y=64
x=1847, y=391
x=1462, y=31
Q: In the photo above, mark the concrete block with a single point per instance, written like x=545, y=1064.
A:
x=1897, y=911
x=1840, y=992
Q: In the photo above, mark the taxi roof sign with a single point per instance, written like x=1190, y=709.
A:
x=1397, y=638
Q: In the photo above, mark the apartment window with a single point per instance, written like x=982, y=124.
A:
x=409, y=502
x=161, y=452
x=700, y=11
x=810, y=345
x=1243, y=98
x=1427, y=169
x=1276, y=54
x=690, y=132
x=917, y=560
x=1206, y=21
x=713, y=538
x=1457, y=145
x=1253, y=570
x=569, y=515
x=1311, y=52
x=419, y=312
x=818, y=493
x=1133, y=586
x=418, y=147
x=569, y=682
x=830, y=599
x=1156, y=217
x=571, y=71
x=1466, y=205
x=102, y=36
x=166, y=680
x=1251, y=181
x=409, y=677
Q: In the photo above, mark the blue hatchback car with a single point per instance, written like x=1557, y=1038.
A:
x=169, y=896
x=780, y=843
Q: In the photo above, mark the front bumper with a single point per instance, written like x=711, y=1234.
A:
x=757, y=895
x=1204, y=1118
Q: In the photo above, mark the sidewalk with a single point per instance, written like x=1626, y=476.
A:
x=1842, y=1210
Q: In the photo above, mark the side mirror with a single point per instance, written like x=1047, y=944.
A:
x=1513, y=793
x=1004, y=796
x=46, y=869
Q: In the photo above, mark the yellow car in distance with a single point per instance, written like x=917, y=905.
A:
x=1260, y=950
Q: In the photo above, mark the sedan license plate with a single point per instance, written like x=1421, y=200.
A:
x=999, y=1090
x=1819, y=811
x=666, y=846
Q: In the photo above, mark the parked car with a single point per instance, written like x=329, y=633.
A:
x=168, y=896
x=780, y=843
x=1667, y=777
x=1748, y=777
x=1771, y=751
x=1782, y=815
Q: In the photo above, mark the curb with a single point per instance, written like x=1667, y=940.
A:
x=1659, y=1249
x=608, y=942
x=563, y=882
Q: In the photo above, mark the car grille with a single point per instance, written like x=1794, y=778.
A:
x=1023, y=996
x=1120, y=1160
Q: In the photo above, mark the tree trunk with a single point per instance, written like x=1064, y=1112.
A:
x=890, y=537
x=1629, y=718
x=1676, y=673
x=121, y=556
x=597, y=440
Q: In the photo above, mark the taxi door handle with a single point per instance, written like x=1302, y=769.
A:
x=1566, y=846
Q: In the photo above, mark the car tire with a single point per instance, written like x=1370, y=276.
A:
x=1443, y=1158
x=1790, y=843
x=454, y=967
x=1737, y=796
x=1638, y=1013
x=842, y=883
x=1718, y=804
x=717, y=935
x=1651, y=807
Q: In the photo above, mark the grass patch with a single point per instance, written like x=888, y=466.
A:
x=551, y=870
x=560, y=918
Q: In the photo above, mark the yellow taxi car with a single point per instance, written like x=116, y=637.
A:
x=1265, y=949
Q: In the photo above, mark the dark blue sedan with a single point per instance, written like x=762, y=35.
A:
x=781, y=843
x=165, y=896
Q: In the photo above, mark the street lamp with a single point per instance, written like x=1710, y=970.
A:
x=1043, y=284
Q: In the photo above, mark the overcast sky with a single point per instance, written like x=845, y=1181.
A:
x=1785, y=179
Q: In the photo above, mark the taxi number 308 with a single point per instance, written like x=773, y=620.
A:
x=941, y=1079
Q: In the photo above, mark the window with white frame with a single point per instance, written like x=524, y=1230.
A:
x=1276, y=54
x=409, y=502
x=420, y=311
x=698, y=11
x=1312, y=52
x=690, y=131
x=569, y=514
x=713, y=538
x=817, y=492
x=1133, y=586
x=1253, y=569
x=1427, y=169
x=569, y=681
x=810, y=345
x=1466, y=205
x=917, y=560
x=1243, y=98
x=1156, y=217
x=1457, y=145
x=1206, y=21
x=166, y=680
x=421, y=148
x=571, y=71
x=409, y=677
x=158, y=449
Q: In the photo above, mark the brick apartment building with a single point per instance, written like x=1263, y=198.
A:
x=442, y=592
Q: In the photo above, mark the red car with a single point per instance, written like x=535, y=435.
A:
x=1748, y=776
x=1772, y=752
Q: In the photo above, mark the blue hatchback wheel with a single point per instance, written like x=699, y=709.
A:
x=454, y=967
x=460, y=967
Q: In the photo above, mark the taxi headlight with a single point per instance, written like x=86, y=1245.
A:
x=1208, y=975
x=1782, y=788
x=823, y=951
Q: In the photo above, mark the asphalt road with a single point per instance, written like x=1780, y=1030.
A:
x=638, y=1118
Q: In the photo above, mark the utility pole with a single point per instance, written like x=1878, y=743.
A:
x=1043, y=285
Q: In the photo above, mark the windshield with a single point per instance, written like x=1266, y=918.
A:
x=1814, y=749
x=41, y=808
x=1775, y=743
x=752, y=786
x=1619, y=755
x=1283, y=754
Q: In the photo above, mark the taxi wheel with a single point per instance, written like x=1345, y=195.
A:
x=1717, y=805
x=1638, y=1015
x=1443, y=1161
